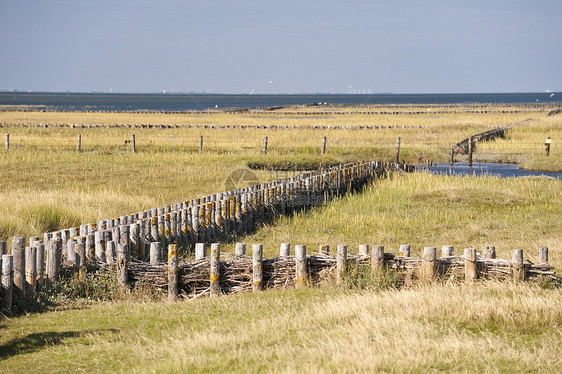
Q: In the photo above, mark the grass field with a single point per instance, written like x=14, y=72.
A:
x=486, y=327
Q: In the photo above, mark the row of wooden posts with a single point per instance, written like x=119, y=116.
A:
x=132, y=144
x=23, y=269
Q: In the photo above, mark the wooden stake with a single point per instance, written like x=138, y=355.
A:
x=470, y=149
x=405, y=250
x=30, y=269
x=264, y=148
x=543, y=256
x=341, y=262
x=122, y=263
x=323, y=149
x=100, y=245
x=40, y=262
x=3, y=247
x=429, y=263
x=518, y=268
x=172, y=273
x=489, y=251
x=470, y=265
x=377, y=259
x=7, y=147
x=18, y=251
x=133, y=146
x=447, y=251
x=81, y=258
x=201, y=144
x=200, y=251
x=215, y=270
x=285, y=250
x=257, y=268
x=79, y=143
x=300, y=265
x=7, y=283
x=397, y=152
x=240, y=250
x=324, y=249
x=155, y=252
x=363, y=249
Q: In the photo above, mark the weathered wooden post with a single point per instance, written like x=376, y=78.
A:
x=323, y=149
x=405, y=250
x=363, y=249
x=30, y=269
x=215, y=270
x=470, y=265
x=518, y=268
x=40, y=262
x=133, y=146
x=324, y=249
x=155, y=252
x=377, y=259
x=99, y=238
x=257, y=267
x=90, y=246
x=200, y=143
x=543, y=256
x=81, y=258
x=547, y=143
x=264, y=148
x=341, y=263
x=71, y=252
x=470, y=149
x=300, y=265
x=489, y=251
x=200, y=251
x=429, y=263
x=397, y=152
x=122, y=263
x=7, y=147
x=447, y=251
x=18, y=251
x=172, y=273
x=240, y=250
x=79, y=143
x=285, y=250
x=135, y=239
x=3, y=247
x=7, y=283
x=111, y=252
x=53, y=260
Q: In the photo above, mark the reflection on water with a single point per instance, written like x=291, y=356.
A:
x=502, y=170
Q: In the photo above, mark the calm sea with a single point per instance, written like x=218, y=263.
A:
x=182, y=102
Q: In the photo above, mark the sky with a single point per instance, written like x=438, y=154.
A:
x=253, y=46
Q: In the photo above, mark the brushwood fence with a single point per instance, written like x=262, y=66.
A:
x=207, y=219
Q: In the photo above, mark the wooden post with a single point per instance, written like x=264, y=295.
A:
x=518, y=268
x=489, y=251
x=470, y=149
x=429, y=263
x=397, y=152
x=447, y=251
x=470, y=265
x=122, y=263
x=172, y=273
x=8, y=147
x=7, y=283
x=452, y=161
x=3, y=247
x=135, y=239
x=547, y=146
x=99, y=237
x=405, y=250
x=240, y=249
x=200, y=251
x=377, y=259
x=363, y=249
x=79, y=143
x=71, y=252
x=155, y=252
x=81, y=258
x=53, y=260
x=264, y=148
x=40, y=262
x=215, y=270
x=543, y=256
x=285, y=250
x=111, y=252
x=90, y=246
x=133, y=146
x=18, y=251
x=30, y=270
x=300, y=265
x=257, y=267
x=324, y=249
x=201, y=144
x=341, y=262
x=323, y=149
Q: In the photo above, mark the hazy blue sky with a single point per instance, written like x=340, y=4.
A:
x=281, y=46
